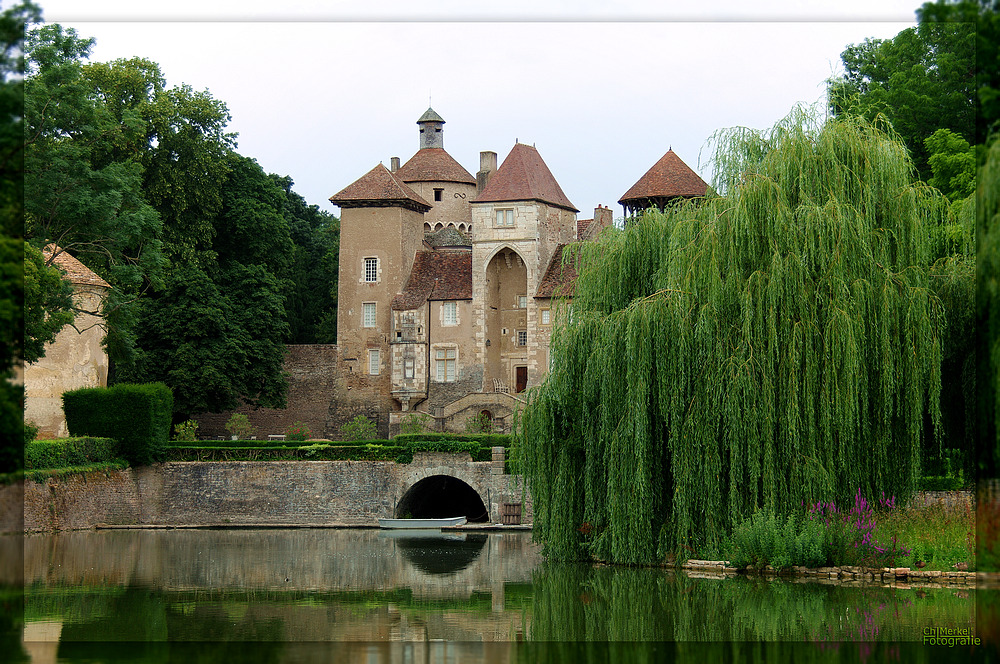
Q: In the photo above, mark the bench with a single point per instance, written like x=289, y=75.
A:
x=275, y=436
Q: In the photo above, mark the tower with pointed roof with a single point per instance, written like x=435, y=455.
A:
x=520, y=219
x=669, y=179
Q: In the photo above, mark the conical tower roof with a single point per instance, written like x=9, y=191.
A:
x=379, y=188
x=523, y=176
x=668, y=178
x=430, y=115
x=433, y=165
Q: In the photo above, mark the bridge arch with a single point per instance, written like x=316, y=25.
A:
x=439, y=495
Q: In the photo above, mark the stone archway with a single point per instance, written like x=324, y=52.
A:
x=442, y=496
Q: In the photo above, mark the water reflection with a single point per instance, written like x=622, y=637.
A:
x=437, y=553
x=362, y=595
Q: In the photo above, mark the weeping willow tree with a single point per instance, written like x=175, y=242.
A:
x=771, y=346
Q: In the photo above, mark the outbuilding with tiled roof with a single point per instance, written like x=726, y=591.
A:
x=669, y=179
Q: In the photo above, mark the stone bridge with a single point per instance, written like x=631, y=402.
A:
x=270, y=493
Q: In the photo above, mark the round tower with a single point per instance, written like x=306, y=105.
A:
x=431, y=129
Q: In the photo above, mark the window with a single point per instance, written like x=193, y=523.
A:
x=371, y=269
x=450, y=313
x=522, y=301
x=369, y=314
x=546, y=316
x=522, y=337
x=409, y=366
x=437, y=193
x=373, y=361
x=505, y=218
x=445, y=361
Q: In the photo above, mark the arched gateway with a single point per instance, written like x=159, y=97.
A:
x=442, y=496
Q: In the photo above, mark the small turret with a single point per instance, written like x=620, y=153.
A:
x=431, y=129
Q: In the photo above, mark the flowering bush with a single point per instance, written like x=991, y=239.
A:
x=298, y=431
x=850, y=538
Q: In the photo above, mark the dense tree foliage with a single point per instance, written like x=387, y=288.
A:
x=922, y=80
x=988, y=314
x=209, y=257
x=12, y=27
x=782, y=343
x=985, y=16
x=215, y=332
x=75, y=197
x=312, y=300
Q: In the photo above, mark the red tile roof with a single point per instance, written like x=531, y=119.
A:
x=437, y=275
x=75, y=271
x=667, y=178
x=559, y=279
x=581, y=227
x=378, y=187
x=523, y=176
x=433, y=165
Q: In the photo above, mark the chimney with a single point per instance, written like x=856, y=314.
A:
x=487, y=167
x=602, y=219
x=394, y=164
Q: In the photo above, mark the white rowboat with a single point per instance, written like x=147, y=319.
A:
x=420, y=523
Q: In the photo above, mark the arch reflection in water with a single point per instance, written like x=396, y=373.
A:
x=434, y=552
x=441, y=497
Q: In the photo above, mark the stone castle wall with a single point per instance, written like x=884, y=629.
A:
x=323, y=493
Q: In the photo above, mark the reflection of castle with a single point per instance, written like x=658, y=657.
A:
x=447, y=280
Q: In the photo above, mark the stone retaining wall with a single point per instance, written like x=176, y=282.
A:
x=318, y=493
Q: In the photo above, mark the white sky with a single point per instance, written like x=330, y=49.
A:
x=323, y=91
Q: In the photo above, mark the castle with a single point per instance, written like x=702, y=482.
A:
x=446, y=284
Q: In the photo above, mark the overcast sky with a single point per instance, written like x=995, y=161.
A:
x=323, y=92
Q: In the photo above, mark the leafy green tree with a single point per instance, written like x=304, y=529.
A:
x=985, y=16
x=13, y=22
x=178, y=137
x=921, y=80
x=89, y=206
x=215, y=332
x=953, y=164
x=312, y=299
x=781, y=340
x=987, y=318
x=48, y=303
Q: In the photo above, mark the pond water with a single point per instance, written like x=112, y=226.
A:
x=385, y=596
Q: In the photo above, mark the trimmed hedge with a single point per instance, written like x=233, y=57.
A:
x=320, y=452
x=137, y=416
x=42, y=474
x=66, y=452
x=484, y=439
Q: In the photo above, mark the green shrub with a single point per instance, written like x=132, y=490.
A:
x=30, y=431
x=764, y=540
x=360, y=428
x=480, y=423
x=67, y=452
x=239, y=426
x=137, y=416
x=298, y=432
x=415, y=423
x=186, y=432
